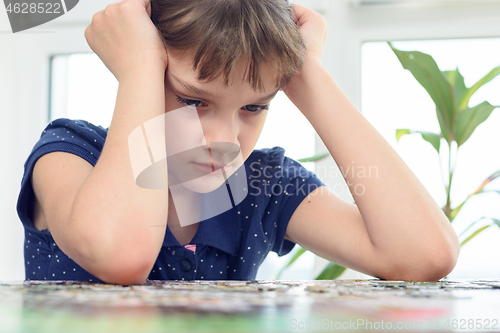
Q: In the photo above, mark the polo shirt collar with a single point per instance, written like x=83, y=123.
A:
x=220, y=232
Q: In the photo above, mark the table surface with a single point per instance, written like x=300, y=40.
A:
x=251, y=306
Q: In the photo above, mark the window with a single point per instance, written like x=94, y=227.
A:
x=82, y=88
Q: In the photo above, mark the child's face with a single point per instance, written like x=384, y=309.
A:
x=236, y=113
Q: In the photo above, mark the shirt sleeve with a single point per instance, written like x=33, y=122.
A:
x=77, y=137
x=295, y=183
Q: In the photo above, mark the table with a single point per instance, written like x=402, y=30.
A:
x=251, y=306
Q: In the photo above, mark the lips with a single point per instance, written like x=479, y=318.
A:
x=216, y=166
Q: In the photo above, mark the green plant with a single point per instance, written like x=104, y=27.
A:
x=457, y=122
x=330, y=272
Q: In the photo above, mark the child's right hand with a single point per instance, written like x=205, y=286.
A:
x=124, y=37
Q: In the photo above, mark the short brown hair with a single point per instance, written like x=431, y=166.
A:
x=221, y=31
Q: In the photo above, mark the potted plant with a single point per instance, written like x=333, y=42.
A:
x=457, y=121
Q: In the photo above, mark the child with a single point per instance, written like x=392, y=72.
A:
x=87, y=219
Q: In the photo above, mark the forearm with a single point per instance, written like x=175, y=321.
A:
x=402, y=220
x=115, y=225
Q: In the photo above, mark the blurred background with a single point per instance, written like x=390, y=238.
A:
x=49, y=72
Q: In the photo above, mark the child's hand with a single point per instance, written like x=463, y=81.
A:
x=124, y=36
x=313, y=30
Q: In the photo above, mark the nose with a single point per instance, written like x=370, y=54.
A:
x=221, y=138
x=221, y=134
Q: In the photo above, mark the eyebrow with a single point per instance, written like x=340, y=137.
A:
x=206, y=93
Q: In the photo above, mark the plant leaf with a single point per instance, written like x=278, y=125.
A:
x=426, y=71
x=331, y=272
x=469, y=119
x=443, y=125
x=314, y=158
x=433, y=138
x=496, y=221
x=296, y=256
x=474, y=234
x=458, y=83
x=472, y=90
x=479, y=190
x=400, y=132
x=471, y=225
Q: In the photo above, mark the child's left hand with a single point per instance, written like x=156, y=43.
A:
x=313, y=29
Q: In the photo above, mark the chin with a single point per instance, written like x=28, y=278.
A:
x=204, y=184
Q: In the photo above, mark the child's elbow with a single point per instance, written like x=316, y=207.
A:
x=127, y=269
x=435, y=265
x=443, y=261
x=440, y=260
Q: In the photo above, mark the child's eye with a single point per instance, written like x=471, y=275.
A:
x=256, y=108
x=253, y=108
x=189, y=102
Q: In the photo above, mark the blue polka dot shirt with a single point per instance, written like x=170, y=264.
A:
x=229, y=246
